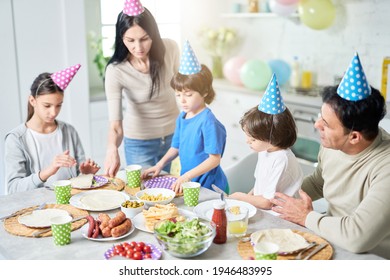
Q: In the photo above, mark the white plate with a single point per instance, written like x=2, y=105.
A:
x=139, y=220
x=205, y=209
x=41, y=218
x=99, y=182
x=99, y=200
x=103, y=239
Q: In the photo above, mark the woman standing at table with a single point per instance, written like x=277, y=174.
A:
x=140, y=71
x=43, y=149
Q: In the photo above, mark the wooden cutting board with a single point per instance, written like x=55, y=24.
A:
x=245, y=249
x=12, y=225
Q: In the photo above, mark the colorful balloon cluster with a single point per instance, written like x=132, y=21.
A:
x=254, y=73
x=316, y=14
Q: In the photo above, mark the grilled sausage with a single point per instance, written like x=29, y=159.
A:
x=104, y=219
x=117, y=220
x=91, y=226
x=96, y=231
x=121, y=229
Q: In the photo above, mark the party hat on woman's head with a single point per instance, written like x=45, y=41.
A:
x=133, y=8
x=62, y=78
x=354, y=85
x=272, y=101
x=189, y=64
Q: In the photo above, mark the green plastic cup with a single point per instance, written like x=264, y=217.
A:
x=61, y=229
x=191, y=193
x=133, y=175
x=62, y=190
x=266, y=251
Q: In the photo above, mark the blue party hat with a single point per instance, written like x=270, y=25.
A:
x=272, y=101
x=189, y=64
x=354, y=85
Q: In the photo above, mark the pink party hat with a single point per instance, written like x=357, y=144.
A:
x=133, y=8
x=354, y=85
x=189, y=63
x=62, y=78
x=272, y=101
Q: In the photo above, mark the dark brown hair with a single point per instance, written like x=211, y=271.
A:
x=43, y=84
x=279, y=130
x=201, y=82
x=157, y=52
x=363, y=115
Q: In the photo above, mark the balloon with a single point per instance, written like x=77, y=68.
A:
x=255, y=74
x=281, y=69
x=231, y=69
x=287, y=2
x=280, y=9
x=317, y=14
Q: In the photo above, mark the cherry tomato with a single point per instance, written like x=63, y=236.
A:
x=141, y=244
x=147, y=256
x=118, y=248
x=138, y=249
x=137, y=256
x=133, y=244
x=147, y=249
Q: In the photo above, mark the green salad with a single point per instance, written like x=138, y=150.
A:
x=185, y=238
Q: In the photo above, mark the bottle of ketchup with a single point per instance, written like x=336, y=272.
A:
x=220, y=221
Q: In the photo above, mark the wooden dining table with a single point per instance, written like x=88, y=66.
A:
x=16, y=247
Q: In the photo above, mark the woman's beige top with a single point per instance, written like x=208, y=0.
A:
x=143, y=118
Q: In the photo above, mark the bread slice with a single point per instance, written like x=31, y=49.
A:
x=83, y=181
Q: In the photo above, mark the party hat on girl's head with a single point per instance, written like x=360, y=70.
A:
x=189, y=64
x=272, y=101
x=354, y=85
x=62, y=78
x=133, y=8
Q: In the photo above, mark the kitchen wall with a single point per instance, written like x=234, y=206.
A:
x=360, y=25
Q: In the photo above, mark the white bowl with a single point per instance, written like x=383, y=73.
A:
x=130, y=212
x=155, y=192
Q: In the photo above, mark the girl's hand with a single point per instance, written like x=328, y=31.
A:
x=61, y=160
x=89, y=167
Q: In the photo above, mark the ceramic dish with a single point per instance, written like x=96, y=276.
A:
x=104, y=239
x=205, y=209
x=41, y=218
x=164, y=193
x=139, y=220
x=97, y=182
x=99, y=200
x=288, y=241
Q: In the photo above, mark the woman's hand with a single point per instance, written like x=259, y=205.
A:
x=112, y=164
x=89, y=167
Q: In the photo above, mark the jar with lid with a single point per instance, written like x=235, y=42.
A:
x=220, y=221
x=253, y=6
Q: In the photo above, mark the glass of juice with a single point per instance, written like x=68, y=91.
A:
x=237, y=217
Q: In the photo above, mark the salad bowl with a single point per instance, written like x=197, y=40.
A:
x=184, y=239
